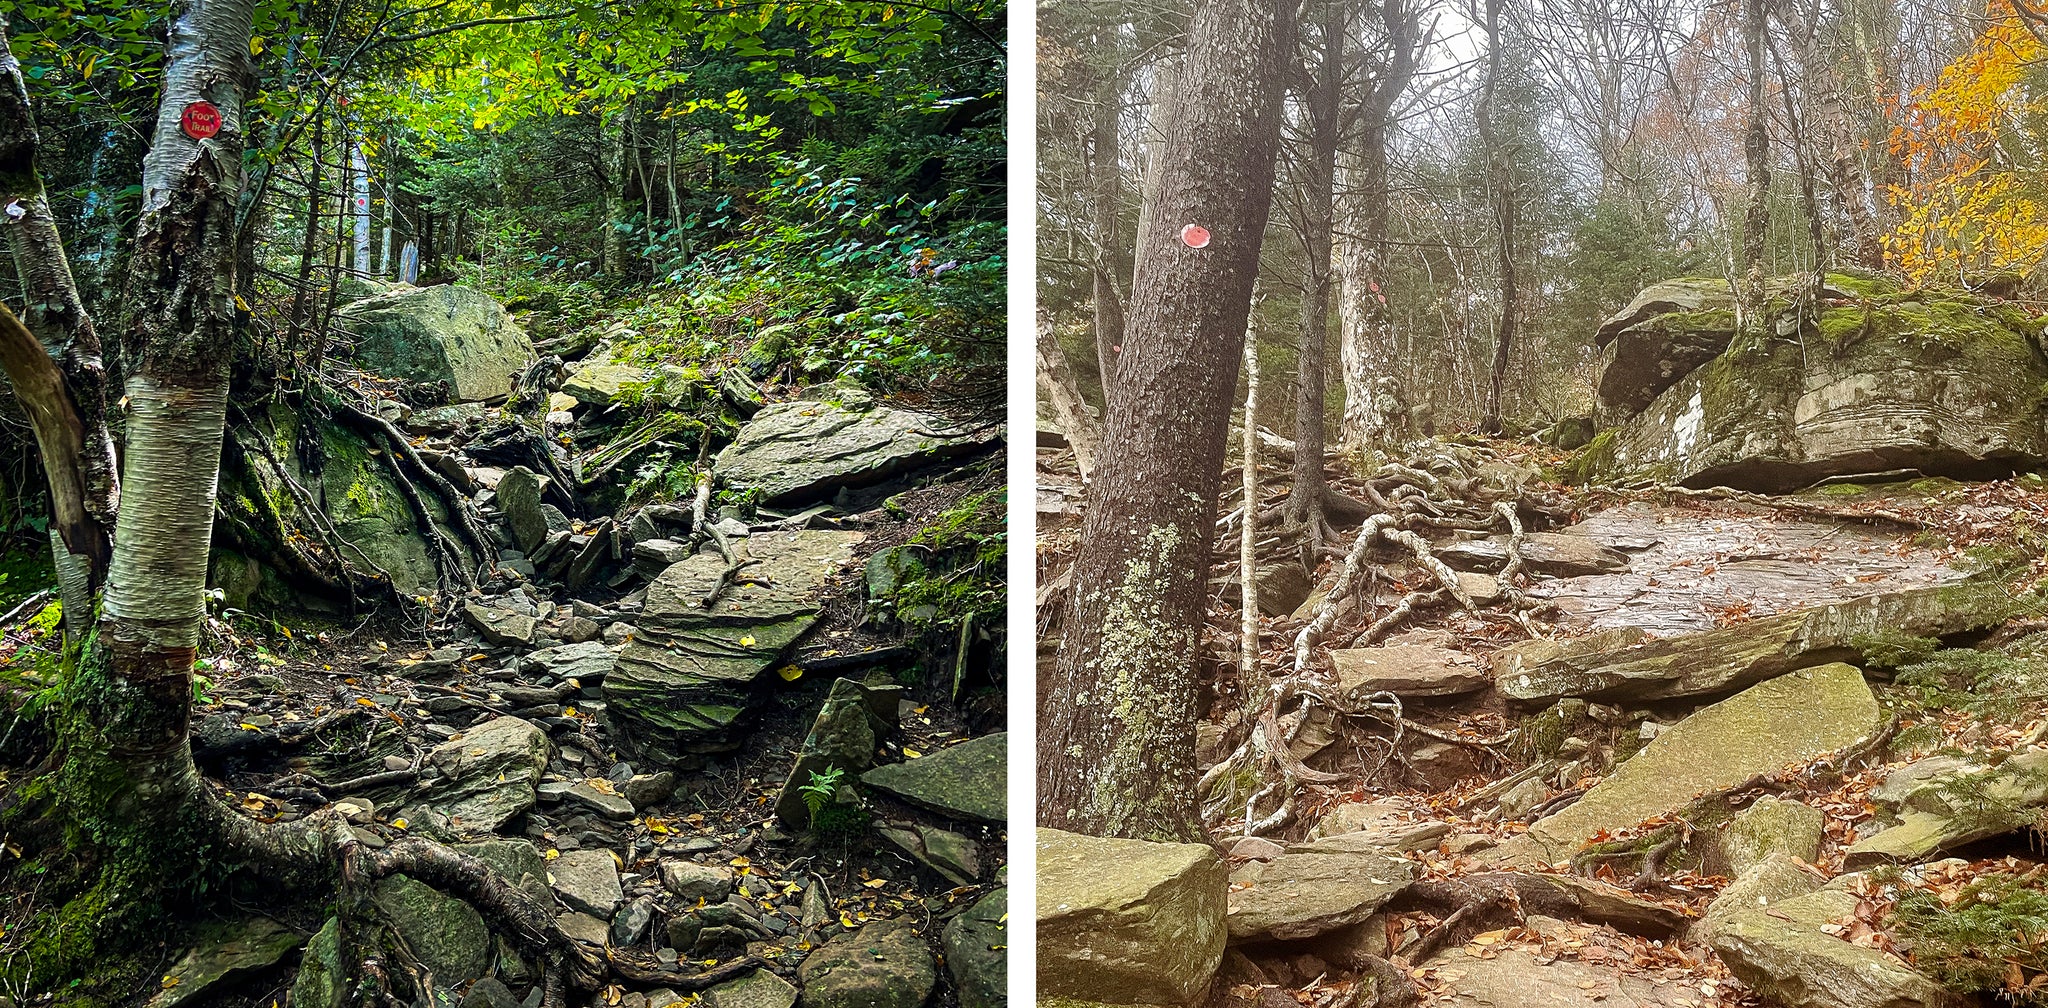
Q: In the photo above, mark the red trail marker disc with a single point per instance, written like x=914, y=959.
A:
x=201, y=120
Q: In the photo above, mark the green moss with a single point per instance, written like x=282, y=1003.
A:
x=1594, y=460
x=1888, y=649
x=1543, y=734
x=1842, y=490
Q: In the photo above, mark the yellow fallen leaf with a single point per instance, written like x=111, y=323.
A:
x=790, y=673
x=740, y=862
x=398, y=824
x=912, y=753
x=876, y=883
x=246, y=726
x=747, y=641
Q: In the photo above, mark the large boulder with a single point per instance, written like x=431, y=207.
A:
x=807, y=450
x=1775, y=879
x=1626, y=668
x=1128, y=922
x=353, y=489
x=691, y=673
x=1878, y=379
x=1786, y=952
x=1770, y=827
x=966, y=781
x=447, y=934
x=1789, y=720
x=1666, y=333
x=443, y=333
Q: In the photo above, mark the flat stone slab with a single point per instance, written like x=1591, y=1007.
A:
x=966, y=781
x=587, y=880
x=258, y=944
x=1635, y=671
x=1303, y=895
x=1492, y=977
x=1126, y=921
x=1787, y=721
x=1557, y=553
x=1407, y=670
x=808, y=450
x=1688, y=566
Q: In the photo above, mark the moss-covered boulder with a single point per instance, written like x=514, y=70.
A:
x=967, y=781
x=1959, y=811
x=1770, y=827
x=1870, y=379
x=351, y=484
x=691, y=673
x=1669, y=330
x=445, y=333
x=1301, y=895
x=1788, y=720
x=1127, y=922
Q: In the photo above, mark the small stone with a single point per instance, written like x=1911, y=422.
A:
x=689, y=880
x=584, y=928
x=649, y=790
x=759, y=989
x=587, y=880
x=606, y=801
x=577, y=630
x=632, y=922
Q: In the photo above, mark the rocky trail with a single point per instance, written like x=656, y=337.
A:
x=712, y=731
x=1647, y=745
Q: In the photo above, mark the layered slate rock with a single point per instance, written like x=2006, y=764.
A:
x=1306, y=894
x=1783, y=953
x=1626, y=668
x=1128, y=922
x=966, y=781
x=1406, y=670
x=1877, y=379
x=604, y=382
x=690, y=673
x=807, y=450
x=1957, y=810
x=1558, y=553
x=443, y=333
x=486, y=776
x=1789, y=720
x=254, y=945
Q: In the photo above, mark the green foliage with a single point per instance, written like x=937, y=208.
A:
x=964, y=577
x=823, y=785
x=1890, y=649
x=1976, y=940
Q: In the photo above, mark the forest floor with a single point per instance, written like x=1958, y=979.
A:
x=652, y=809
x=1453, y=792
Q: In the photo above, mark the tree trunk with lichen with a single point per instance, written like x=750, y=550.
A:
x=1319, y=182
x=1119, y=759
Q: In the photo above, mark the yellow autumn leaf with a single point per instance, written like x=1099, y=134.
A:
x=875, y=883
x=398, y=823
x=790, y=673
x=747, y=641
x=912, y=753
x=255, y=49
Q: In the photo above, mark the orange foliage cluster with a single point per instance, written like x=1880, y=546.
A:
x=1971, y=144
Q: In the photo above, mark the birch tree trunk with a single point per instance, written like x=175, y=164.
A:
x=1365, y=332
x=70, y=421
x=1119, y=760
